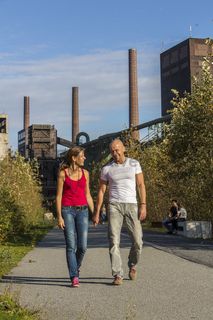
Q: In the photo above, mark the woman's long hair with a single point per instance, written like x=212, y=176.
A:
x=72, y=152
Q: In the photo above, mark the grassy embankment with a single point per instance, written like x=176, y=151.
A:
x=21, y=223
x=11, y=252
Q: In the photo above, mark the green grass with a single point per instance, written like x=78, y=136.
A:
x=10, y=255
x=11, y=310
x=11, y=252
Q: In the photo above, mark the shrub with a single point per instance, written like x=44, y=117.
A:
x=20, y=196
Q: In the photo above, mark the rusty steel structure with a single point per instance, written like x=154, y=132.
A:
x=133, y=92
x=75, y=113
x=95, y=149
x=42, y=141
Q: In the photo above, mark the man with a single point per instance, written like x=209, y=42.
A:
x=122, y=175
x=170, y=223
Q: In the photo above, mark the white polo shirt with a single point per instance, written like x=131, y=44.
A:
x=121, y=179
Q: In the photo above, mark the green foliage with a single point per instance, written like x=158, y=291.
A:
x=11, y=252
x=10, y=255
x=20, y=196
x=10, y=309
x=181, y=165
x=189, y=145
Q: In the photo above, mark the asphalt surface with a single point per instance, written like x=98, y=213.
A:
x=196, y=250
x=169, y=285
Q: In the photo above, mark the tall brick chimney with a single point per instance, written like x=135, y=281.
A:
x=26, y=123
x=75, y=114
x=133, y=92
x=26, y=112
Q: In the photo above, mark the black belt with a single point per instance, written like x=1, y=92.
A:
x=79, y=208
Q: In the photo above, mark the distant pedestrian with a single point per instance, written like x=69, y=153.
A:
x=72, y=201
x=122, y=175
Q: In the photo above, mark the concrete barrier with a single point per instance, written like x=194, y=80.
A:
x=195, y=229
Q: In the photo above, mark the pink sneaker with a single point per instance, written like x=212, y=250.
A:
x=75, y=282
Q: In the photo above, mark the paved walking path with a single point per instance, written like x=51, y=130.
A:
x=196, y=250
x=168, y=287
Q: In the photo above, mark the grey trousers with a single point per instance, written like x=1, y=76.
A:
x=118, y=213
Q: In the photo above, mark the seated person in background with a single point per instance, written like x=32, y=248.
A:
x=170, y=223
x=182, y=214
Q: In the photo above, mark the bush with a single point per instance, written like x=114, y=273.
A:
x=181, y=165
x=20, y=196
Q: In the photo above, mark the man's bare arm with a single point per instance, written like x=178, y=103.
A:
x=99, y=201
x=142, y=195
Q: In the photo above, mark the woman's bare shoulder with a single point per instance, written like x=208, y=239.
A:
x=61, y=173
x=86, y=172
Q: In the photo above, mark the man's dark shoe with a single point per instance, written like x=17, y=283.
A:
x=117, y=281
x=132, y=273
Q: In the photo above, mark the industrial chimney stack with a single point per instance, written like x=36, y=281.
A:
x=26, y=125
x=133, y=92
x=26, y=112
x=75, y=114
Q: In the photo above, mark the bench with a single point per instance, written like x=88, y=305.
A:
x=195, y=229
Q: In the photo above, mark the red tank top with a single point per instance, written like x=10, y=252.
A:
x=74, y=191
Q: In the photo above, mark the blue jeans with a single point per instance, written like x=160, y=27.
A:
x=167, y=223
x=75, y=232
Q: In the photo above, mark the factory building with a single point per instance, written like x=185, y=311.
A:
x=178, y=65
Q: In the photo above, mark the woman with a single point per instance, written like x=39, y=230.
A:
x=182, y=214
x=72, y=201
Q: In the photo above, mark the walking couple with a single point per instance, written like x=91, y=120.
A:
x=124, y=177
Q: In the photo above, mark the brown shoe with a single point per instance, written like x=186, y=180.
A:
x=117, y=281
x=132, y=273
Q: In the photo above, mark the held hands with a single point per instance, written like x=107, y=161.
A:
x=95, y=219
x=61, y=223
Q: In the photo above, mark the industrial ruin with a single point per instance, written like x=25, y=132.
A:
x=178, y=65
x=3, y=136
x=40, y=141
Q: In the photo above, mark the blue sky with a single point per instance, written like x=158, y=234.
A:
x=49, y=46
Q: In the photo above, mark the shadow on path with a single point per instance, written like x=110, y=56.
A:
x=62, y=282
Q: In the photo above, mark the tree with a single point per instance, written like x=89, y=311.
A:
x=189, y=145
x=181, y=165
x=20, y=196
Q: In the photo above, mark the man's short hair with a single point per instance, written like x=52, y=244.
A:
x=116, y=139
x=174, y=200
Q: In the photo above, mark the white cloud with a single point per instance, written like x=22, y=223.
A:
x=102, y=77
